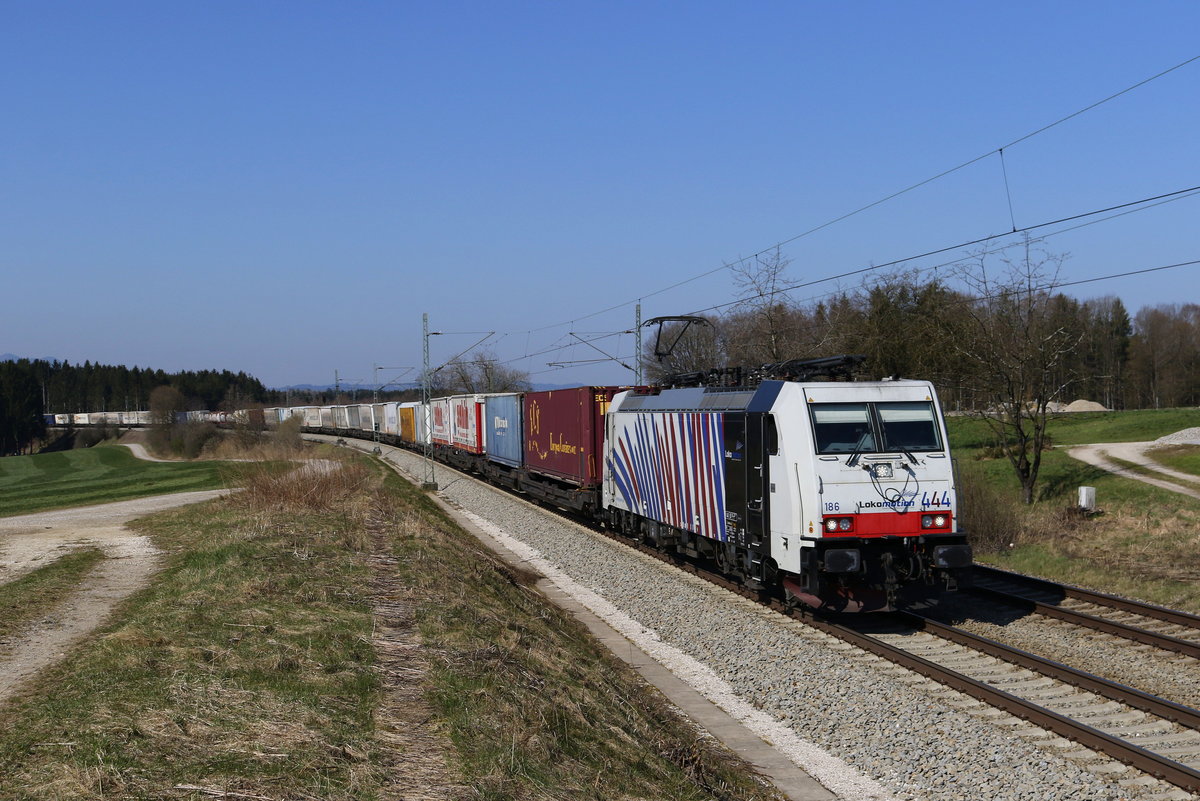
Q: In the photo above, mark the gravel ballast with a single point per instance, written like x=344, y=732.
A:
x=912, y=738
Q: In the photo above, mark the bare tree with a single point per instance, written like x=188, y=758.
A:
x=481, y=372
x=1017, y=346
x=1166, y=357
x=765, y=314
x=166, y=404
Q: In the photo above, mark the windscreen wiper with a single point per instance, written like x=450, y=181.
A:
x=853, y=460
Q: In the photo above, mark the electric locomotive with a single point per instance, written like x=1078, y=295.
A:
x=841, y=493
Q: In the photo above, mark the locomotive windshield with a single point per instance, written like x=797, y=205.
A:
x=908, y=426
x=875, y=427
x=843, y=428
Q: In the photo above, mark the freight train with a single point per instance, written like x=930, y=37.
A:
x=838, y=495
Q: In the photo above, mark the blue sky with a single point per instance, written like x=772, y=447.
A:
x=285, y=187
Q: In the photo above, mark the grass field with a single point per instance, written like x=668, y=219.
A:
x=1184, y=458
x=101, y=474
x=249, y=668
x=1145, y=541
x=1082, y=428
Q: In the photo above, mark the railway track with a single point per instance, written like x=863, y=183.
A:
x=1129, y=727
x=1134, y=728
x=1168, y=629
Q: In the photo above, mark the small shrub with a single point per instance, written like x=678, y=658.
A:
x=287, y=434
x=990, y=519
x=191, y=438
x=247, y=436
x=316, y=485
x=94, y=435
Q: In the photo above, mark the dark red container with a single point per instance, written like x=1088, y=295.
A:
x=564, y=432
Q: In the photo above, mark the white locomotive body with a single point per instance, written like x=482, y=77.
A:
x=843, y=493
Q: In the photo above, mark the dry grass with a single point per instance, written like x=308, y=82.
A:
x=247, y=666
x=992, y=519
x=329, y=634
x=318, y=484
x=1146, y=550
x=534, y=706
x=242, y=443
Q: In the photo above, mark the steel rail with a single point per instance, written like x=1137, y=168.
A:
x=1164, y=641
x=1130, y=696
x=1123, y=751
x=1092, y=596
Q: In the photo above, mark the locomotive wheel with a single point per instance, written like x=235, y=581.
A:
x=726, y=559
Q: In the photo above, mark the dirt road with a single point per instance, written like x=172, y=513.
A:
x=1101, y=455
x=31, y=541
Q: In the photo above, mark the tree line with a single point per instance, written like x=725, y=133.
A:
x=960, y=337
x=994, y=335
x=30, y=389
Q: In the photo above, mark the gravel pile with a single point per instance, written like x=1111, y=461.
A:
x=902, y=731
x=1084, y=406
x=1188, y=436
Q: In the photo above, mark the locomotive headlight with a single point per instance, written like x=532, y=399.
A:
x=939, y=521
x=882, y=470
x=839, y=525
x=935, y=521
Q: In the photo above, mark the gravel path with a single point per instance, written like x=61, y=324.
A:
x=140, y=452
x=1136, y=452
x=915, y=739
x=31, y=541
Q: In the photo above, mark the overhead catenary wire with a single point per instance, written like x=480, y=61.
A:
x=1046, y=286
x=840, y=218
x=944, y=173
x=999, y=247
x=1126, y=208
x=1053, y=285
x=1149, y=202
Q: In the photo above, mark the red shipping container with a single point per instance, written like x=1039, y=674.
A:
x=440, y=418
x=564, y=432
x=466, y=422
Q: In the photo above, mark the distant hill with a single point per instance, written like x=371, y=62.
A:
x=12, y=357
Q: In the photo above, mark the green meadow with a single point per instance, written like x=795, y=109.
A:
x=101, y=474
x=1142, y=541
